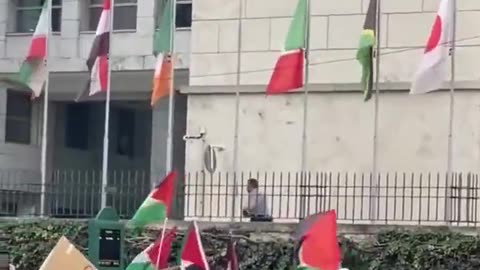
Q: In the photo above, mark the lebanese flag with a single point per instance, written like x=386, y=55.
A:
x=33, y=71
x=192, y=256
x=97, y=61
x=433, y=69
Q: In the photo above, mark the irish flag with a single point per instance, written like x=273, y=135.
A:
x=33, y=72
x=156, y=255
x=156, y=206
x=163, y=75
x=192, y=256
x=365, y=49
x=288, y=72
x=433, y=68
x=319, y=247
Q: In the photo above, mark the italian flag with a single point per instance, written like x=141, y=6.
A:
x=366, y=47
x=319, y=247
x=163, y=75
x=433, y=68
x=156, y=255
x=192, y=256
x=288, y=72
x=156, y=206
x=33, y=72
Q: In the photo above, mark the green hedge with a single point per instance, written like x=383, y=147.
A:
x=29, y=243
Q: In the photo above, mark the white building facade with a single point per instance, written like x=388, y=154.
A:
x=234, y=47
x=138, y=133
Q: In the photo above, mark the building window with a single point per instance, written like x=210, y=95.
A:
x=125, y=132
x=19, y=117
x=76, y=126
x=125, y=14
x=183, y=14
x=28, y=13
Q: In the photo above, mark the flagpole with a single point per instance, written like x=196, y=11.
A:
x=305, y=111
x=107, y=110
x=161, y=242
x=452, y=102
x=43, y=162
x=237, y=109
x=171, y=96
x=373, y=201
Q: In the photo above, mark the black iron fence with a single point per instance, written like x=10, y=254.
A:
x=388, y=198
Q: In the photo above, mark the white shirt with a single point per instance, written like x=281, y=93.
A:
x=257, y=204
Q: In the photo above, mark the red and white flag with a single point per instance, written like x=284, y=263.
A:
x=97, y=61
x=433, y=69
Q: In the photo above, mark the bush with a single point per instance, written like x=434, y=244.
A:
x=30, y=243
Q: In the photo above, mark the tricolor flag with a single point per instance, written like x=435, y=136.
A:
x=33, y=72
x=97, y=62
x=289, y=69
x=192, y=256
x=319, y=247
x=163, y=76
x=366, y=48
x=156, y=206
x=154, y=257
x=433, y=68
x=232, y=256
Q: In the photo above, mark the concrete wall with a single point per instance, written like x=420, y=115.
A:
x=412, y=130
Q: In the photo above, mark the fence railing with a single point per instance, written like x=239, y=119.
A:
x=388, y=198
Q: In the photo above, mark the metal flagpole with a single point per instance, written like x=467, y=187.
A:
x=237, y=109
x=453, y=33
x=373, y=201
x=43, y=162
x=171, y=96
x=305, y=111
x=107, y=110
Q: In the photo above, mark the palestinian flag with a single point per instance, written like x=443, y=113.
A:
x=156, y=206
x=232, y=256
x=163, y=76
x=156, y=255
x=288, y=72
x=97, y=62
x=366, y=49
x=433, y=68
x=33, y=72
x=192, y=256
x=319, y=247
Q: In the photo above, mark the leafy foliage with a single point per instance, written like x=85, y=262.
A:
x=30, y=242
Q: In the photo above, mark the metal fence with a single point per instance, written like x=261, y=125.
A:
x=390, y=198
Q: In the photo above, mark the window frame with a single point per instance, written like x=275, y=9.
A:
x=91, y=6
x=183, y=2
x=29, y=8
x=27, y=119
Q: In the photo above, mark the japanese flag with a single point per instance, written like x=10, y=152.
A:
x=433, y=69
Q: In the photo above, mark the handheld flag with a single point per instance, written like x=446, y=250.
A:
x=433, y=67
x=366, y=48
x=147, y=260
x=97, y=62
x=192, y=256
x=33, y=72
x=232, y=256
x=288, y=72
x=156, y=206
x=319, y=247
x=163, y=76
